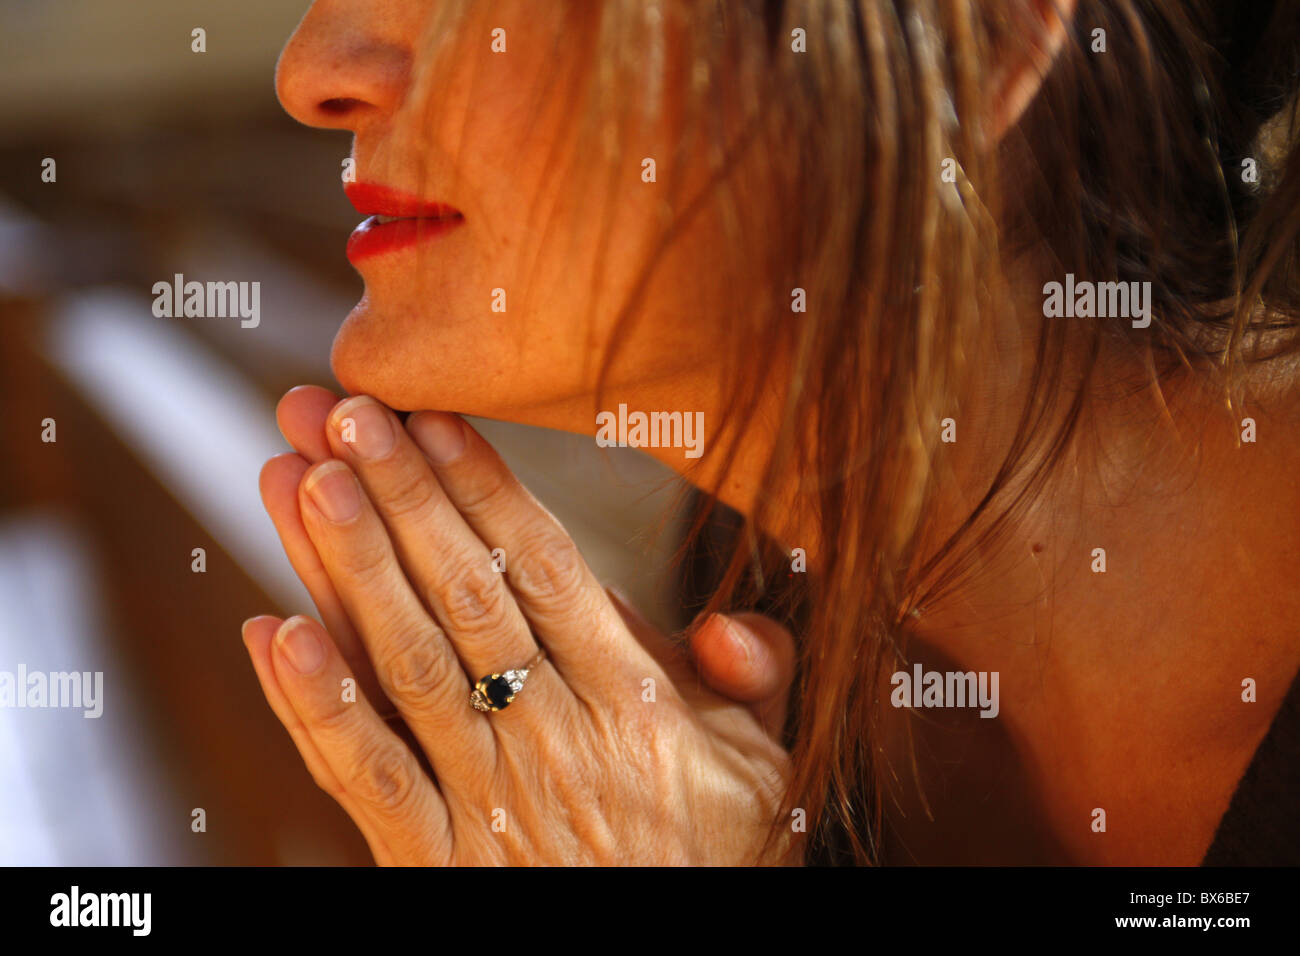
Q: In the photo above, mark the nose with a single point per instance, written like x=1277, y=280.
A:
x=345, y=66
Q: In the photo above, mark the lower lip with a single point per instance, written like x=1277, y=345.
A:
x=373, y=238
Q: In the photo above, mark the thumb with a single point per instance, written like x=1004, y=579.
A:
x=750, y=659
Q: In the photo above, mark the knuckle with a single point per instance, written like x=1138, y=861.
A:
x=487, y=494
x=409, y=491
x=647, y=731
x=366, y=561
x=550, y=570
x=420, y=674
x=475, y=600
x=385, y=778
x=570, y=774
x=337, y=719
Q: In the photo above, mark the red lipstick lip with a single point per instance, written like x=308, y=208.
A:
x=414, y=220
x=373, y=238
x=371, y=199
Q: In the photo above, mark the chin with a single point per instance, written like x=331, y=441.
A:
x=374, y=358
x=362, y=362
x=489, y=378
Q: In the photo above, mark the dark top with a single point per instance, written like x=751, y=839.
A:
x=1262, y=825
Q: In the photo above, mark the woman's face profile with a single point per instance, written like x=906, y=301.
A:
x=503, y=300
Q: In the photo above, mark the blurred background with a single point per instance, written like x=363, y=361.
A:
x=130, y=441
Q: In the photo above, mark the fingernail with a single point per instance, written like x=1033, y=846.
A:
x=364, y=427
x=243, y=628
x=299, y=645
x=334, y=491
x=442, y=436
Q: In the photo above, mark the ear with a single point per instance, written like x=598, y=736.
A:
x=1031, y=47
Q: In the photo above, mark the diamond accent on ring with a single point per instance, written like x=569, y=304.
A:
x=496, y=691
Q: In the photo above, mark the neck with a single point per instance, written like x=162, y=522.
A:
x=1121, y=689
x=734, y=472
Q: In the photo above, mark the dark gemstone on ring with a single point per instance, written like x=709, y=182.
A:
x=497, y=690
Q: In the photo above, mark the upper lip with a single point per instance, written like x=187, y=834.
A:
x=372, y=199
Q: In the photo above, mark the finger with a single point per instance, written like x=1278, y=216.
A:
x=279, y=483
x=671, y=657
x=301, y=415
x=416, y=664
x=449, y=566
x=749, y=658
x=378, y=773
x=258, y=633
x=555, y=589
